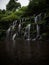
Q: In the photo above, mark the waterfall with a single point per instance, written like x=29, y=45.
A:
x=14, y=24
x=10, y=36
x=9, y=29
x=27, y=32
x=23, y=19
x=38, y=33
x=37, y=26
x=40, y=18
x=13, y=38
x=9, y=32
x=8, y=39
x=35, y=19
x=19, y=27
x=13, y=45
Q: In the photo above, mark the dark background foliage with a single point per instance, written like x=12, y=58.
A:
x=15, y=11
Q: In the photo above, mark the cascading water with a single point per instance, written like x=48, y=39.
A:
x=22, y=19
x=10, y=36
x=13, y=45
x=37, y=26
x=38, y=33
x=13, y=38
x=11, y=29
x=27, y=31
x=27, y=28
x=19, y=27
x=36, y=19
x=8, y=31
x=14, y=24
x=8, y=39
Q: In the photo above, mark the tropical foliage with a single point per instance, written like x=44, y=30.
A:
x=15, y=11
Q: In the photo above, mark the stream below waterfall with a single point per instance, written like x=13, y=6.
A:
x=24, y=52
